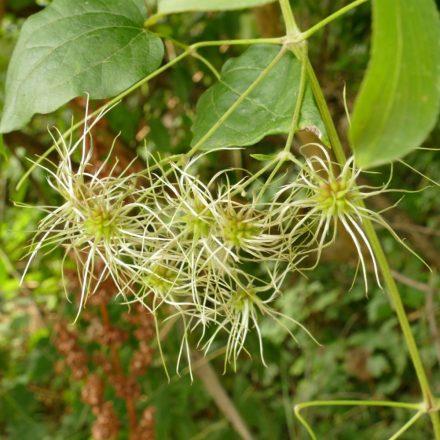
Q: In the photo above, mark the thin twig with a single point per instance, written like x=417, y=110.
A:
x=213, y=385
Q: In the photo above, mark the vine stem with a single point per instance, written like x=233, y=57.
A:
x=430, y=405
x=289, y=19
x=309, y=32
x=236, y=104
x=372, y=403
x=293, y=125
x=191, y=50
x=382, y=403
x=407, y=425
x=375, y=243
x=381, y=259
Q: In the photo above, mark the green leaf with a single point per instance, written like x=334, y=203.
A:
x=172, y=6
x=399, y=99
x=378, y=365
x=124, y=119
x=267, y=110
x=3, y=148
x=71, y=48
x=264, y=157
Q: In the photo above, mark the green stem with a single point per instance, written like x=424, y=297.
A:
x=196, y=55
x=435, y=420
x=298, y=105
x=254, y=177
x=378, y=251
x=152, y=20
x=101, y=109
x=292, y=29
x=292, y=129
x=325, y=114
x=240, y=42
x=189, y=51
x=236, y=104
x=381, y=259
x=2, y=147
x=375, y=243
x=309, y=32
x=378, y=403
x=407, y=425
x=399, y=310
x=349, y=402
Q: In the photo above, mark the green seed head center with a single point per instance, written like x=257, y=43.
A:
x=161, y=279
x=243, y=298
x=237, y=230
x=199, y=222
x=100, y=224
x=334, y=197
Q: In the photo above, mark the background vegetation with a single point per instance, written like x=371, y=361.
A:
x=53, y=374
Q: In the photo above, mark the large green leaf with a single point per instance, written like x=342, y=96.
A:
x=171, y=6
x=267, y=110
x=76, y=47
x=399, y=99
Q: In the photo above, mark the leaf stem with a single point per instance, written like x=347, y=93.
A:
x=255, y=176
x=407, y=425
x=236, y=104
x=375, y=243
x=292, y=29
x=189, y=51
x=239, y=42
x=298, y=104
x=309, y=32
x=196, y=55
x=293, y=125
x=350, y=402
x=381, y=259
x=377, y=403
x=325, y=114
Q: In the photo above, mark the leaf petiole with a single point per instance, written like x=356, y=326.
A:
x=101, y=109
x=377, y=403
x=339, y=13
x=190, y=50
x=239, y=100
x=382, y=260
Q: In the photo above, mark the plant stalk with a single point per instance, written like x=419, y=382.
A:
x=371, y=403
x=381, y=259
x=370, y=232
x=407, y=425
x=375, y=244
x=190, y=51
x=309, y=32
x=237, y=103
x=292, y=29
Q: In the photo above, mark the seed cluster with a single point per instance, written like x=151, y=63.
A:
x=326, y=199
x=212, y=254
